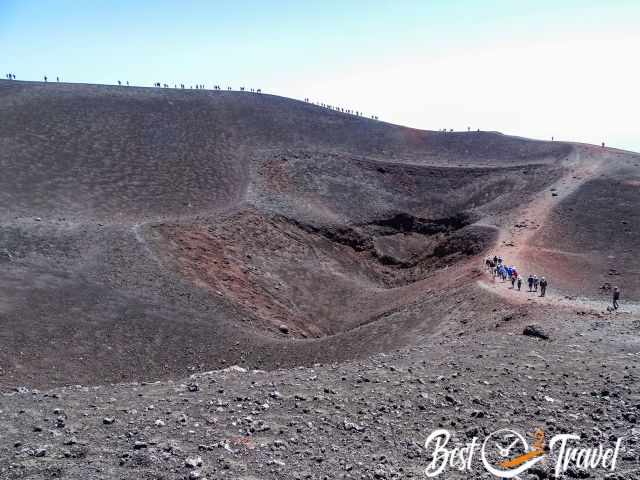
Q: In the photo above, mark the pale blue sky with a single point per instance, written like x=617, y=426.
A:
x=533, y=68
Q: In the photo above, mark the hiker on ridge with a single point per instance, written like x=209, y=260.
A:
x=616, y=297
x=536, y=281
x=530, y=282
x=543, y=286
x=519, y=283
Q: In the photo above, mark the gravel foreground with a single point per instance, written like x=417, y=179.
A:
x=366, y=419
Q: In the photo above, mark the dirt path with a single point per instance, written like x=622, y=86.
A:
x=522, y=224
x=517, y=230
x=524, y=297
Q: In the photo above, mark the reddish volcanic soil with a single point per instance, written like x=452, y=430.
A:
x=147, y=233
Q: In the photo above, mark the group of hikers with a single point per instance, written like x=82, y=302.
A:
x=499, y=269
x=12, y=76
x=199, y=86
x=340, y=109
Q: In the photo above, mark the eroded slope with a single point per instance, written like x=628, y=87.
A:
x=147, y=232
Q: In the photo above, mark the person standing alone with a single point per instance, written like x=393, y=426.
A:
x=616, y=297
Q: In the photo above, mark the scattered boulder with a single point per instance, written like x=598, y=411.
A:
x=534, y=330
x=193, y=462
x=351, y=426
x=40, y=452
x=235, y=368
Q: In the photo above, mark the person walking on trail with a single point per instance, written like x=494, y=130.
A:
x=519, y=283
x=536, y=281
x=616, y=297
x=543, y=286
x=488, y=264
x=530, y=281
